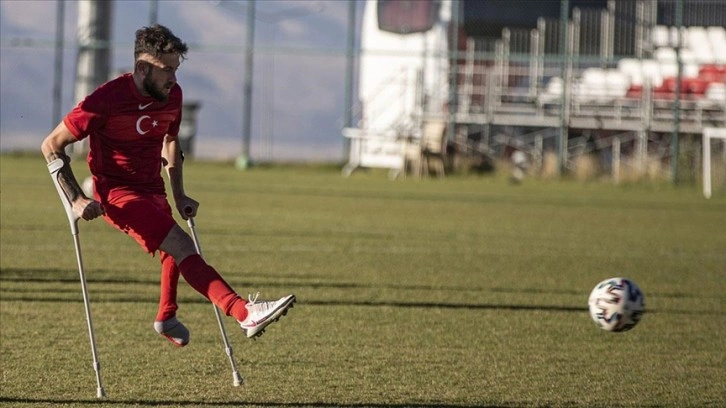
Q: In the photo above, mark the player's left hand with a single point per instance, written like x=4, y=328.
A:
x=187, y=207
x=87, y=208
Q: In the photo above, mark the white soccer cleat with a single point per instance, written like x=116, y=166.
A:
x=261, y=313
x=174, y=331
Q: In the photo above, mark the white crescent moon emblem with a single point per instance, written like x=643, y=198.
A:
x=138, y=125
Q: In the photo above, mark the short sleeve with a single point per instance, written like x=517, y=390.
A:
x=87, y=116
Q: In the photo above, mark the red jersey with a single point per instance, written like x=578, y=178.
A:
x=126, y=133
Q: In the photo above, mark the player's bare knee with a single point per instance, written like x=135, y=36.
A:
x=178, y=244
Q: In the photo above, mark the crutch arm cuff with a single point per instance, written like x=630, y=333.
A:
x=60, y=169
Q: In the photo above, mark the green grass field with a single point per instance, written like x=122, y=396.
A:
x=463, y=292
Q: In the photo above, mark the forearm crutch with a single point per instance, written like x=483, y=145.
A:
x=54, y=168
x=237, y=379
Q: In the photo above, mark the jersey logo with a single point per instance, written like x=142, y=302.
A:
x=141, y=119
x=142, y=107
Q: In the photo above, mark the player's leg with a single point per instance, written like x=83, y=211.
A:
x=200, y=275
x=254, y=316
x=148, y=219
x=166, y=323
x=169, y=281
x=149, y=222
x=135, y=216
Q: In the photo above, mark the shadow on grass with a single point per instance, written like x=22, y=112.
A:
x=424, y=305
x=161, y=403
x=111, y=296
x=70, y=276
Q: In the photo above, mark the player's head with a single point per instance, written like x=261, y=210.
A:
x=158, y=54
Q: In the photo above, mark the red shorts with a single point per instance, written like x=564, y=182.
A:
x=147, y=219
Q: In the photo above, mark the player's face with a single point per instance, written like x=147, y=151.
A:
x=161, y=76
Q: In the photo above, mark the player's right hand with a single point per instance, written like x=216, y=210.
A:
x=87, y=208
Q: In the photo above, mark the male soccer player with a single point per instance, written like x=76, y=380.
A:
x=132, y=124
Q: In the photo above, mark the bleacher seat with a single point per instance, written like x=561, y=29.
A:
x=687, y=56
x=716, y=92
x=552, y=92
x=592, y=86
x=633, y=69
x=710, y=73
x=703, y=70
x=717, y=38
x=668, y=69
x=716, y=35
x=665, y=55
x=696, y=87
x=703, y=58
x=595, y=77
x=651, y=72
x=598, y=85
x=660, y=36
x=700, y=44
x=719, y=55
x=635, y=91
x=618, y=83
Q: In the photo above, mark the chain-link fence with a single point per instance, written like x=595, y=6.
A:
x=299, y=71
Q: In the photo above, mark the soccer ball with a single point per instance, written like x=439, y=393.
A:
x=616, y=304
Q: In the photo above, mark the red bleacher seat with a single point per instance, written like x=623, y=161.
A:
x=696, y=86
x=710, y=73
x=635, y=91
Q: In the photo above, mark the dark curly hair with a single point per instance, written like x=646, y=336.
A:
x=157, y=40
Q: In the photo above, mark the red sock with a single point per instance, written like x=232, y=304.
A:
x=169, y=282
x=205, y=280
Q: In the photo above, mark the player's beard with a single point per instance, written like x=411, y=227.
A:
x=154, y=91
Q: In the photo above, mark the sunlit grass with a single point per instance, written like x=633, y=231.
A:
x=463, y=292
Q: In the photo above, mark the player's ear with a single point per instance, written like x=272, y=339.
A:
x=141, y=67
